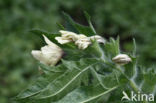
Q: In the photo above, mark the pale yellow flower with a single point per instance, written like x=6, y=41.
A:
x=98, y=38
x=49, y=54
x=66, y=37
x=62, y=40
x=83, y=43
x=80, y=40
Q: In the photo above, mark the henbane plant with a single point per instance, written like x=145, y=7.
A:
x=79, y=66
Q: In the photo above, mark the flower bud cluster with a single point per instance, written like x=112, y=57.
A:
x=80, y=40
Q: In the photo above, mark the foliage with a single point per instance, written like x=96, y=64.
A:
x=17, y=18
x=90, y=76
x=128, y=19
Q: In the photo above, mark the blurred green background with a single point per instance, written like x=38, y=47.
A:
x=126, y=18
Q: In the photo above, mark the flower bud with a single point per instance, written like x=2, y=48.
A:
x=62, y=40
x=122, y=59
x=83, y=42
x=98, y=38
x=69, y=35
x=66, y=37
x=49, y=54
x=80, y=40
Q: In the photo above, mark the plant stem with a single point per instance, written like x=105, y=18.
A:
x=132, y=84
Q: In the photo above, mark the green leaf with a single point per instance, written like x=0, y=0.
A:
x=75, y=27
x=112, y=48
x=50, y=36
x=106, y=78
x=130, y=68
x=42, y=81
x=52, y=69
x=138, y=78
x=87, y=94
x=89, y=21
x=93, y=51
x=60, y=26
x=67, y=81
x=149, y=83
x=86, y=76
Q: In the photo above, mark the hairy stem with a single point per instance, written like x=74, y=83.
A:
x=132, y=84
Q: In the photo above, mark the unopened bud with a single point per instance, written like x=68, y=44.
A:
x=122, y=59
